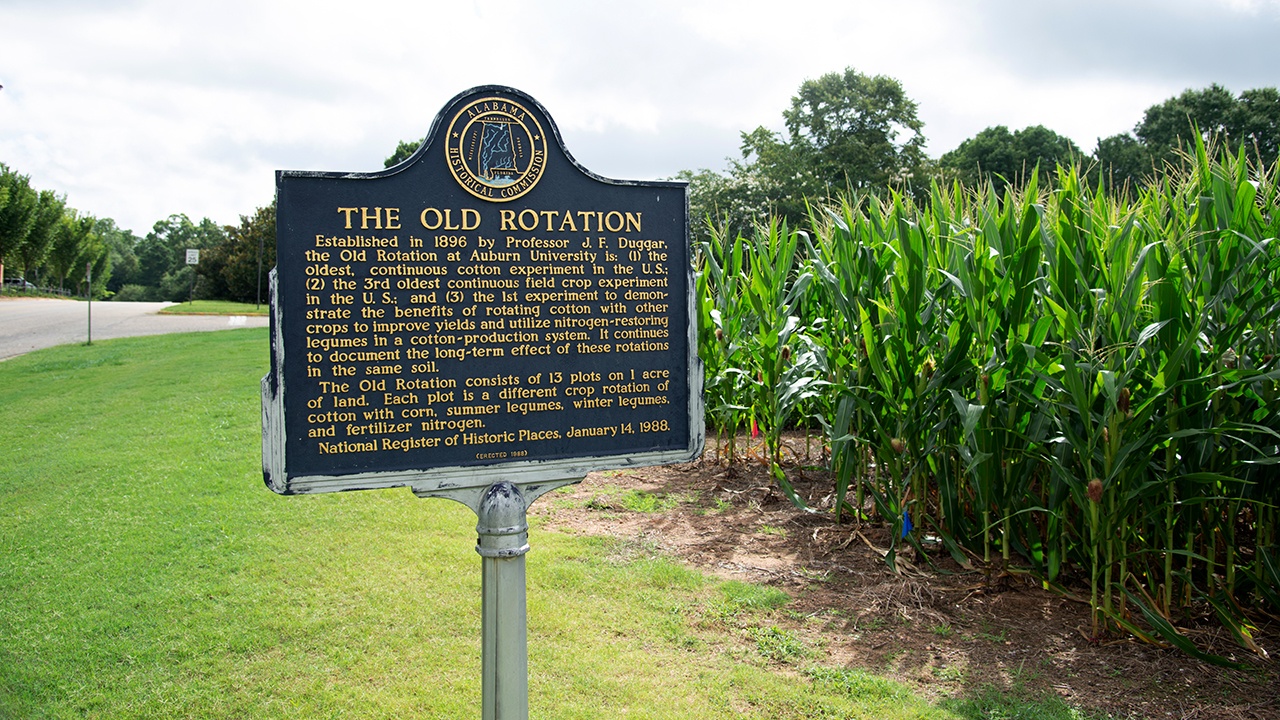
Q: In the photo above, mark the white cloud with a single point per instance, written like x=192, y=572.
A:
x=138, y=108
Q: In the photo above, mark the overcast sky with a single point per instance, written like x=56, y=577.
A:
x=137, y=109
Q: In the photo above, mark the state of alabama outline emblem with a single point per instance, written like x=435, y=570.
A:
x=496, y=149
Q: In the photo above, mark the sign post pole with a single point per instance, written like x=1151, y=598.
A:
x=193, y=258
x=503, y=540
x=88, y=278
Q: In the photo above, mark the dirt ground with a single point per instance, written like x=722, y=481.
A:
x=937, y=626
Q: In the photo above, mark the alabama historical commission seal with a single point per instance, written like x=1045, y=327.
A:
x=496, y=149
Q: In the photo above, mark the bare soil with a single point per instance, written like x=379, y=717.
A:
x=938, y=626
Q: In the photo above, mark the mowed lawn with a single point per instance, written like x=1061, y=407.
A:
x=145, y=571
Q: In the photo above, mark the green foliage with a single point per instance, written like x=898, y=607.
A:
x=857, y=684
x=176, y=285
x=1194, y=113
x=1213, y=113
x=231, y=269
x=739, y=597
x=74, y=245
x=18, y=203
x=644, y=502
x=1169, y=131
x=162, y=256
x=723, y=325
x=1084, y=381
x=133, y=293
x=1124, y=163
x=1256, y=123
x=728, y=204
x=403, y=151
x=783, y=371
x=43, y=239
x=845, y=127
x=40, y=236
x=40, y=233
x=1002, y=158
x=122, y=260
x=846, y=132
x=990, y=703
x=778, y=645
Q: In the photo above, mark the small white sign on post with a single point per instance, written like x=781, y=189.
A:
x=193, y=257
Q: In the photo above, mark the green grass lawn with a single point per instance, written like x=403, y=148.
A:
x=145, y=572
x=216, y=307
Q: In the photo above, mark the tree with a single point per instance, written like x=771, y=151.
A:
x=732, y=202
x=845, y=127
x=1251, y=121
x=232, y=267
x=48, y=214
x=402, y=153
x=72, y=239
x=1256, y=123
x=1172, y=123
x=17, y=209
x=1123, y=162
x=846, y=133
x=778, y=177
x=162, y=267
x=99, y=253
x=120, y=244
x=1001, y=157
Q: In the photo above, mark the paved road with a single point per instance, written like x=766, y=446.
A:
x=27, y=325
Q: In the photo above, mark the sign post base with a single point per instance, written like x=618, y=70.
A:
x=502, y=539
x=503, y=535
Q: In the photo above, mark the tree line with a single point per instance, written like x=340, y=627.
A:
x=41, y=237
x=48, y=244
x=849, y=134
x=234, y=260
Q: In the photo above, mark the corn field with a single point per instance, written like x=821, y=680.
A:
x=1073, y=384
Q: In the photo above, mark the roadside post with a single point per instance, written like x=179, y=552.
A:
x=484, y=322
x=88, y=278
x=193, y=258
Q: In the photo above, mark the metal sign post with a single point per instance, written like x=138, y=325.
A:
x=193, y=258
x=88, y=278
x=502, y=540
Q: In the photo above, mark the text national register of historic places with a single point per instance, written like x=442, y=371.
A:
x=487, y=308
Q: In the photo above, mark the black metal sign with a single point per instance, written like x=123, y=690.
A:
x=486, y=305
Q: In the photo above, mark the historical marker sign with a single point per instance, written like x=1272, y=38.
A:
x=486, y=308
